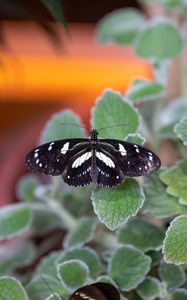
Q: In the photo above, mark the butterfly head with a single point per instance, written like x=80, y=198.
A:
x=94, y=135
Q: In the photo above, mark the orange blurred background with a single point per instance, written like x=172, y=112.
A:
x=38, y=77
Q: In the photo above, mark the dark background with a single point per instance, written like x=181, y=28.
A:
x=74, y=10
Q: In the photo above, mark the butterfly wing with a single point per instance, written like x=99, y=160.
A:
x=127, y=159
x=52, y=158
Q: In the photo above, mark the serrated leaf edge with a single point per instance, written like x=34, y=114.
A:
x=83, y=265
x=140, y=252
x=168, y=261
x=18, y=282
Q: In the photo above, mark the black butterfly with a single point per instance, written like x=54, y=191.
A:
x=96, y=291
x=82, y=161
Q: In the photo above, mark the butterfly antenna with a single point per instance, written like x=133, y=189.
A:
x=118, y=125
x=71, y=124
x=47, y=284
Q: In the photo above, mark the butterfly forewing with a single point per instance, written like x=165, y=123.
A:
x=52, y=158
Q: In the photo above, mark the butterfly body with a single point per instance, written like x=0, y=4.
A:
x=82, y=161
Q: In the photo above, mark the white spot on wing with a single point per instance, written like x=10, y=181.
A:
x=40, y=165
x=37, y=161
x=107, y=160
x=50, y=146
x=122, y=150
x=65, y=148
x=81, y=159
x=36, y=155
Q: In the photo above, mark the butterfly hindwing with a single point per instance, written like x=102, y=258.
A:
x=77, y=172
x=52, y=158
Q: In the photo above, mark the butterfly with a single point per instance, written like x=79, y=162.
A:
x=81, y=161
x=96, y=291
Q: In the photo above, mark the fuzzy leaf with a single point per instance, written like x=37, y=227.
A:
x=128, y=267
x=135, y=138
x=141, y=234
x=156, y=257
x=157, y=201
x=173, y=113
x=38, y=288
x=58, y=128
x=56, y=10
x=144, y=90
x=47, y=265
x=26, y=187
x=73, y=273
x=14, y=220
x=87, y=255
x=111, y=109
x=160, y=40
x=174, y=247
x=181, y=130
x=176, y=180
x=18, y=255
x=11, y=288
x=82, y=234
x=117, y=205
x=45, y=220
x=179, y=294
x=173, y=276
x=121, y=26
x=149, y=289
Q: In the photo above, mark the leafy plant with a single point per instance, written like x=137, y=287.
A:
x=133, y=236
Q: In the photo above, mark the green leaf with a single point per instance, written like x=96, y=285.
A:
x=40, y=288
x=17, y=255
x=45, y=220
x=173, y=4
x=26, y=187
x=141, y=234
x=144, y=90
x=155, y=256
x=73, y=273
x=160, y=40
x=176, y=180
x=47, y=265
x=86, y=255
x=14, y=220
x=173, y=276
x=56, y=10
x=149, y=289
x=128, y=267
x=62, y=125
x=117, y=205
x=135, y=138
x=174, y=246
x=179, y=294
x=121, y=26
x=157, y=201
x=181, y=130
x=82, y=234
x=11, y=288
x=173, y=113
x=112, y=110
